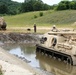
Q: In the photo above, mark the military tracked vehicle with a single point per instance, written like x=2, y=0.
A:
x=55, y=67
x=59, y=45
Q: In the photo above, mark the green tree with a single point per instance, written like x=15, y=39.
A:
x=46, y=7
x=73, y=5
x=61, y=6
x=37, y=6
x=3, y=9
x=33, y=5
x=9, y=7
x=27, y=6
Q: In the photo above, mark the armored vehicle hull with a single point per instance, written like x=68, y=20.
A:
x=55, y=67
x=58, y=45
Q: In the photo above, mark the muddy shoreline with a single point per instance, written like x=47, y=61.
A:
x=16, y=37
x=19, y=38
x=16, y=65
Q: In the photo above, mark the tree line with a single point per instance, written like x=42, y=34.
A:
x=65, y=5
x=11, y=7
x=33, y=5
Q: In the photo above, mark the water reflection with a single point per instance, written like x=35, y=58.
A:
x=54, y=66
x=23, y=50
x=40, y=61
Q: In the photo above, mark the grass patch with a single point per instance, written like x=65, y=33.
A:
x=1, y=73
x=60, y=18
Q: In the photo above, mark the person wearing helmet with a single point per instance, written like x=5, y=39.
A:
x=54, y=29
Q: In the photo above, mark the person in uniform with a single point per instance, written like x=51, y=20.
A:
x=35, y=28
x=54, y=29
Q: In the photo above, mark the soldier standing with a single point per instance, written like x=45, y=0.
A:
x=35, y=28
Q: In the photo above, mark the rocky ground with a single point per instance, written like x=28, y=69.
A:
x=16, y=37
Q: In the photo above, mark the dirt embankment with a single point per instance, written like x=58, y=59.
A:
x=14, y=37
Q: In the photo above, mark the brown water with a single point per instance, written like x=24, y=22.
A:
x=40, y=61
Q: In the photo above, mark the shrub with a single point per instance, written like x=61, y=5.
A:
x=41, y=14
x=35, y=16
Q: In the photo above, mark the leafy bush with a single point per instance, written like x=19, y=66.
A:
x=35, y=16
x=41, y=14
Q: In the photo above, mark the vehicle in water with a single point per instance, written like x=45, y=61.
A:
x=60, y=45
x=55, y=67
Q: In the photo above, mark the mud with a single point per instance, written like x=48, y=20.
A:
x=14, y=37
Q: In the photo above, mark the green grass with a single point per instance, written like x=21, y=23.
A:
x=1, y=73
x=60, y=18
x=21, y=20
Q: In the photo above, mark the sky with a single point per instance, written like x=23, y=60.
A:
x=50, y=2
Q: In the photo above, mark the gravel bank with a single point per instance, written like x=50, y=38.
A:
x=14, y=37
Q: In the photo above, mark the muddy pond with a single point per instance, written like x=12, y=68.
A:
x=38, y=60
